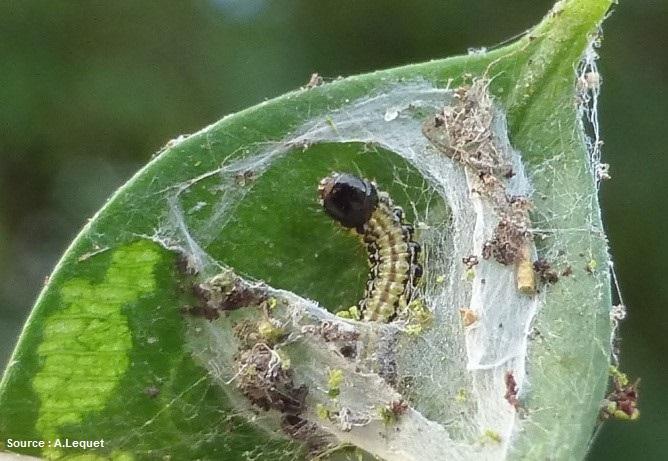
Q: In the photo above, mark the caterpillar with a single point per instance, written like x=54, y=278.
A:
x=394, y=272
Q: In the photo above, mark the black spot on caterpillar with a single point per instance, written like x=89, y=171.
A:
x=357, y=203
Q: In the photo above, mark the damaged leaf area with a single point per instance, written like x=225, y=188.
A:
x=403, y=265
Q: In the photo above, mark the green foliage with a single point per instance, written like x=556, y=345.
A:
x=104, y=353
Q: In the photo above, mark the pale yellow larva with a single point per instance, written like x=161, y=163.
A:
x=393, y=255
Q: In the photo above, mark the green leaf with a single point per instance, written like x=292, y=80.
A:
x=108, y=352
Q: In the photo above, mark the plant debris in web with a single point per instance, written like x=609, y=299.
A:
x=464, y=131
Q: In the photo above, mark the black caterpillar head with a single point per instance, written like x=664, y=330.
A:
x=348, y=199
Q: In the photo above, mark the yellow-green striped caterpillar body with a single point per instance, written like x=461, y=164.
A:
x=357, y=203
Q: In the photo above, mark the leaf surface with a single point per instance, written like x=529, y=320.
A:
x=104, y=356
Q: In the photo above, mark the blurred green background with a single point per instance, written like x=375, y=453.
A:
x=89, y=90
